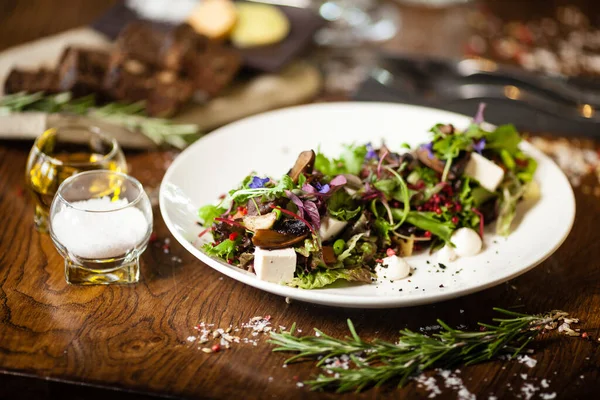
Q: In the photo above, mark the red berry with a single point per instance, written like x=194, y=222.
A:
x=458, y=207
x=242, y=210
x=216, y=348
x=449, y=205
x=438, y=211
x=427, y=234
x=390, y=252
x=455, y=220
x=233, y=236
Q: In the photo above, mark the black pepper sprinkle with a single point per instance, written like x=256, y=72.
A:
x=441, y=285
x=428, y=262
x=442, y=266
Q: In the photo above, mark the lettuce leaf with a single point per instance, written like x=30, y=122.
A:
x=323, y=277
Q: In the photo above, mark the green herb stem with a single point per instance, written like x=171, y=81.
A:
x=378, y=361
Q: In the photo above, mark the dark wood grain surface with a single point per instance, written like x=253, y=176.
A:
x=130, y=342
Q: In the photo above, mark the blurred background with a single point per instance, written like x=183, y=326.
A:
x=398, y=50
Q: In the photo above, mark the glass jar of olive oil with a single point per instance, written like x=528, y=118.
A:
x=64, y=151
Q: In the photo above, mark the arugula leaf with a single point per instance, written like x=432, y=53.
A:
x=208, y=213
x=224, y=250
x=244, y=194
x=341, y=206
x=323, y=277
x=387, y=186
x=426, y=221
x=505, y=137
x=350, y=162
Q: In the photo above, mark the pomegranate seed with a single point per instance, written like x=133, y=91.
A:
x=233, y=236
x=455, y=220
x=221, y=197
x=390, y=252
x=267, y=317
x=482, y=328
x=584, y=335
x=458, y=207
x=449, y=205
x=230, y=261
x=216, y=348
x=438, y=211
x=242, y=210
x=427, y=234
x=153, y=237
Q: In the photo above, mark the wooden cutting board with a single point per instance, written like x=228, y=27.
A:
x=298, y=83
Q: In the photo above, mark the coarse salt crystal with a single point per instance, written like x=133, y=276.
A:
x=98, y=235
x=524, y=359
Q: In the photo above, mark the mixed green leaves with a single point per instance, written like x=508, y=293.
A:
x=350, y=162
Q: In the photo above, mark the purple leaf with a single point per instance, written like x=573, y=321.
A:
x=338, y=181
x=296, y=200
x=307, y=188
x=313, y=213
x=258, y=182
x=479, y=116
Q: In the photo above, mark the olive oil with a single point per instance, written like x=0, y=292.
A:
x=52, y=160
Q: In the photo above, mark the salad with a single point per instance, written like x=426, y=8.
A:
x=360, y=215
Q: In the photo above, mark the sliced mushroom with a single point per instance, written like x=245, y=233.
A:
x=304, y=165
x=353, y=182
x=255, y=222
x=269, y=239
x=431, y=161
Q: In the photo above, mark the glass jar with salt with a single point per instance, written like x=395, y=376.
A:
x=101, y=222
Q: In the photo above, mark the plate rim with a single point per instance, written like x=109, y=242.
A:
x=339, y=300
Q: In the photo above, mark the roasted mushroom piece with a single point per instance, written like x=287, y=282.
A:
x=304, y=165
x=269, y=239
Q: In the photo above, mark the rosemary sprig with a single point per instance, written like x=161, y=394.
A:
x=378, y=361
x=130, y=116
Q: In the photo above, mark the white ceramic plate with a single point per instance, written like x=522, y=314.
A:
x=269, y=144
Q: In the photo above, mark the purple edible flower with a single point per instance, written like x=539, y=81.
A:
x=479, y=116
x=479, y=145
x=323, y=188
x=258, y=182
x=429, y=148
x=371, y=153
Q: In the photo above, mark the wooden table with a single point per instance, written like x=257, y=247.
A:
x=130, y=342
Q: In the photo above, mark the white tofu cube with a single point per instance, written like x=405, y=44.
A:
x=488, y=174
x=330, y=227
x=276, y=266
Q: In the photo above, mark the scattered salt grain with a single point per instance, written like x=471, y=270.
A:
x=545, y=383
x=528, y=361
x=430, y=385
x=528, y=390
x=191, y=339
x=523, y=376
x=299, y=384
x=100, y=234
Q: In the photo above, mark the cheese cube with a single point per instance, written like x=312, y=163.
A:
x=330, y=227
x=488, y=174
x=276, y=266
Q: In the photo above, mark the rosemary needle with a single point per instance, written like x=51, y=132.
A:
x=130, y=116
x=377, y=362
